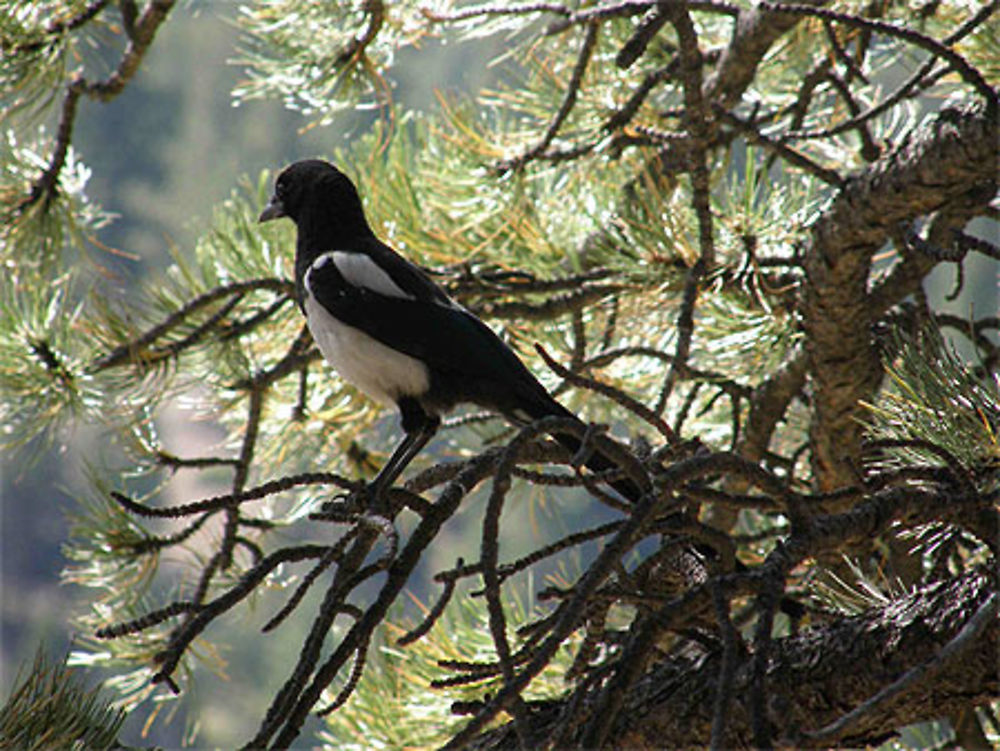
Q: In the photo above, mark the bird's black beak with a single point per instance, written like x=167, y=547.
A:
x=273, y=210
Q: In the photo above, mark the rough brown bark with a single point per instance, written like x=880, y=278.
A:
x=955, y=150
x=814, y=678
x=755, y=31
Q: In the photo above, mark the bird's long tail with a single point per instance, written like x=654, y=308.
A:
x=598, y=462
x=595, y=460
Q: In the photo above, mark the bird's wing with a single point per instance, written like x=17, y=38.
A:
x=409, y=313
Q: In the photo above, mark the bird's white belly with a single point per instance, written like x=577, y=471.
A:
x=379, y=371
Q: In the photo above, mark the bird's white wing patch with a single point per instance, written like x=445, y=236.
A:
x=359, y=270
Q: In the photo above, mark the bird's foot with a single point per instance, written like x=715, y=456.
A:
x=366, y=497
x=348, y=504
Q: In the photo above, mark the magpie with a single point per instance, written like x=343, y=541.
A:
x=391, y=331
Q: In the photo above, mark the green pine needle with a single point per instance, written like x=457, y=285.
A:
x=938, y=398
x=50, y=707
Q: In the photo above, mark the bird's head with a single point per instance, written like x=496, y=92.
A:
x=314, y=193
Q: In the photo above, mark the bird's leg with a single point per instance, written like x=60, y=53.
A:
x=419, y=427
x=408, y=448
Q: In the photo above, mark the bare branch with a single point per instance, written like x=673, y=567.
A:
x=968, y=73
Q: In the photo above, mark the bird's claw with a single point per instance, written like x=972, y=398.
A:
x=348, y=503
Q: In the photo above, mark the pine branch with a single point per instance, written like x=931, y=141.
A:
x=45, y=187
x=51, y=706
x=137, y=348
x=938, y=50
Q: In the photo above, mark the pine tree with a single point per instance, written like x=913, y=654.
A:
x=708, y=225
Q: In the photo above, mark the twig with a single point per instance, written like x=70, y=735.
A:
x=489, y=553
x=790, y=155
x=520, y=564
x=853, y=69
x=610, y=392
x=869, y=150
x=146, y=621
x=569, y=100
x=173, y=349
x=44, y=188
x=176, y=462
x=971, y=76
x=919, y=80
x=329, y=557
x=553, y=307
x=298, y=356
x=154, y=543
x=624, y=114
x=239, y=328
x=697, y=123
x=360, y=657
x=686, y=405
x=635, y=7
x=511, y=9
x=216, y=503
x=685, y=332
x=206, y=613
x=494, y=282
x=435, y=612
x=132, y=348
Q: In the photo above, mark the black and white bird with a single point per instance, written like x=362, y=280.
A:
x=389, y=330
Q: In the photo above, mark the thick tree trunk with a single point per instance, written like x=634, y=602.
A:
x=939, y=163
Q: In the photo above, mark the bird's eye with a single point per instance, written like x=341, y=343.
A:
x=283, y=186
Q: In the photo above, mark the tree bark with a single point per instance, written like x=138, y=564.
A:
x=937, y=164
x=816, y=677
